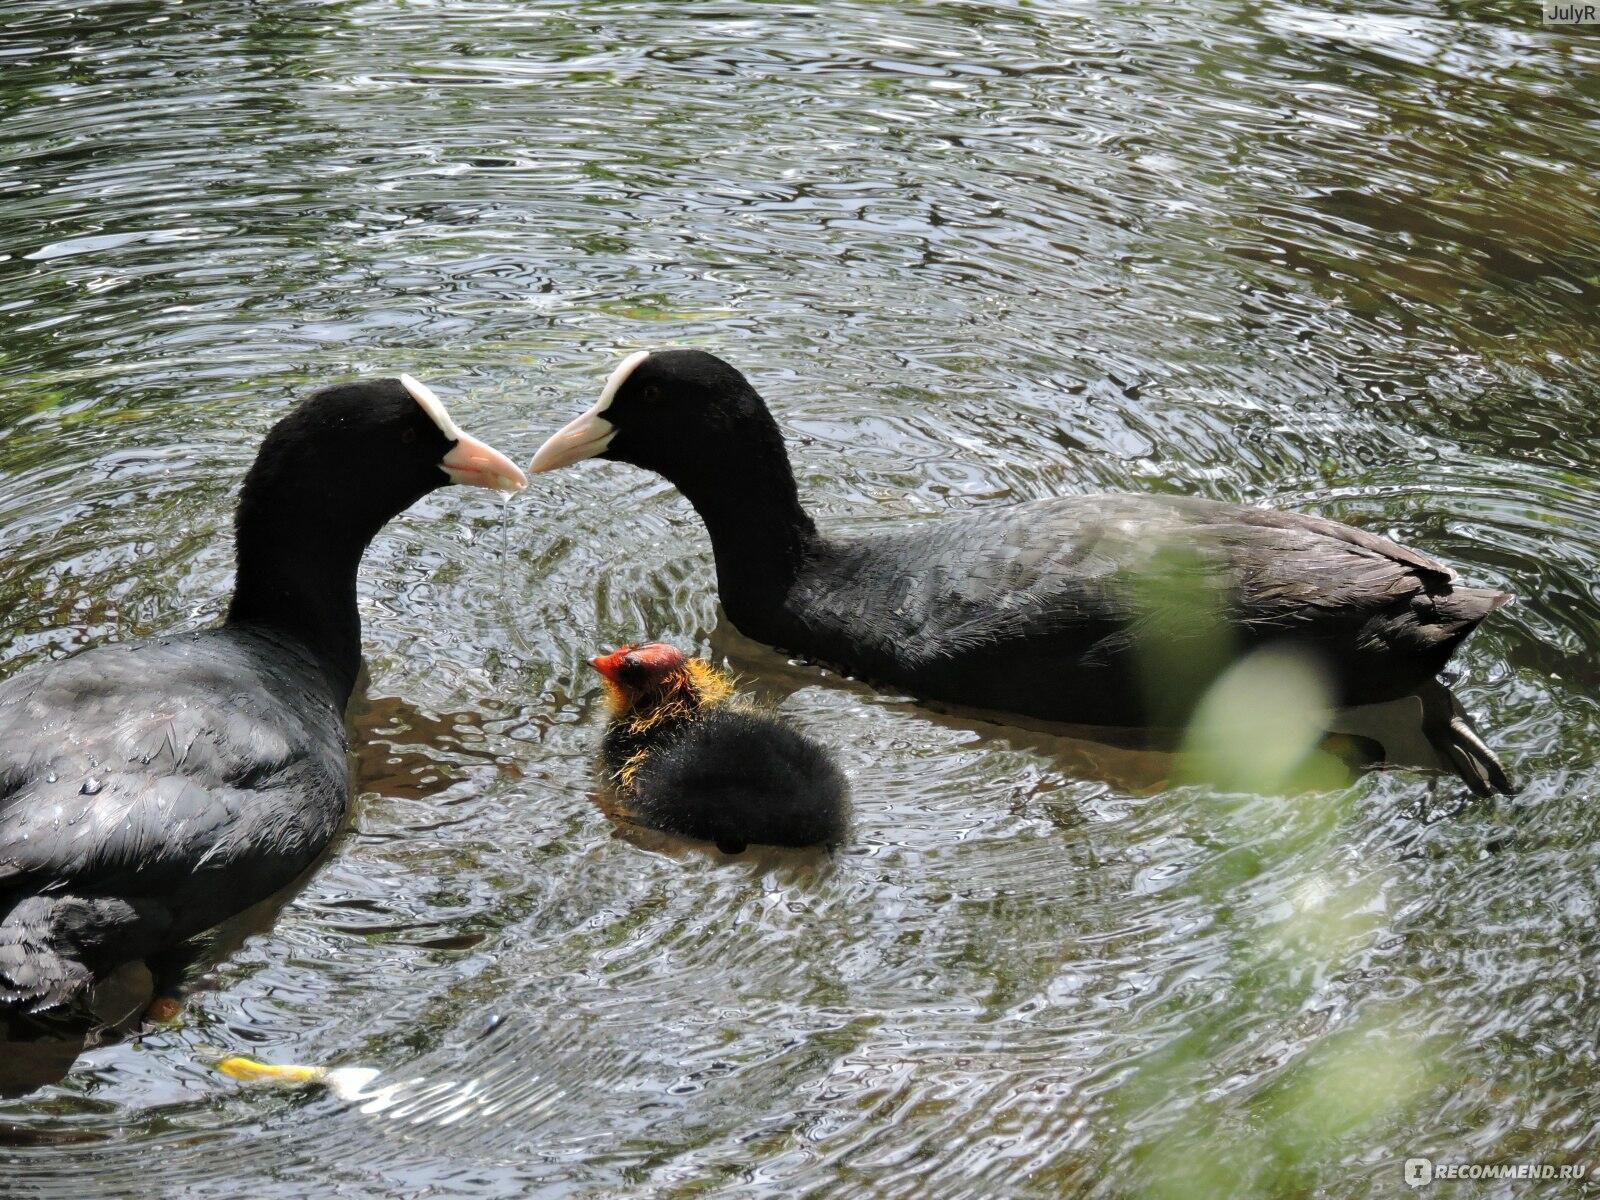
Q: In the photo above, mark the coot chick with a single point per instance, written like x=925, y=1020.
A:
x=150, y=790
x=685, y=754
x=1047, y=609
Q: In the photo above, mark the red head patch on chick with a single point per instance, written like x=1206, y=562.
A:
x=636, y=667
x=654, y=681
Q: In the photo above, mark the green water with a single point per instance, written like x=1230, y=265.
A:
x=1341, y=259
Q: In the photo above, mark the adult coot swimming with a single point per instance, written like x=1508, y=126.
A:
x=1100, y=609
x=686, y=754
x=150, y=790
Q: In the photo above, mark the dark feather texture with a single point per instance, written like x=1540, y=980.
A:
x=740, y=778
x=1060, y=609
x=1100, y=609
x=149, y=791
x=685, y=755
x=144, y=818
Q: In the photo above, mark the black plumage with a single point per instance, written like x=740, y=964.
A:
x=1097, y=609
x=150, y=790
x=685, y=754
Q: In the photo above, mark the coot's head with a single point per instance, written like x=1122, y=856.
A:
x=367, y=450
x=328, y=476
x=655, y=681
x=684, y=414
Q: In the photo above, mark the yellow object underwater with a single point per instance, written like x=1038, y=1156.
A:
x=239, y=1067
x=348, y=1083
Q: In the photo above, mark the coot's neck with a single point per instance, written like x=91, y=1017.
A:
x=298, y=553
x=761, y=535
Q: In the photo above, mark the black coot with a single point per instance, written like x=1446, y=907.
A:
x=153, y=789
x=1047, y=609
x=683, y=753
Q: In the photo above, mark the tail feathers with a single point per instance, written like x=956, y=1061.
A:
x=1462, y=609
x=1451, y=733
x=36, y=973
x=1420, y=641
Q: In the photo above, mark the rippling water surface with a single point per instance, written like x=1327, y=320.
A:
x=1341, y=259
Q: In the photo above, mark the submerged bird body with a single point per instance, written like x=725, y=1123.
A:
x=150, y=790
x=1097, y=609
x=684, y=754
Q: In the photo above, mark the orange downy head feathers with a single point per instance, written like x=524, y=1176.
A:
x=652, y=686
x=655, y=681
x=635, y=668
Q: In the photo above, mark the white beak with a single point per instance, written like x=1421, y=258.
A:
x=589, y=433
x=432, y=405
x=478, y=464
x=582, y=437
x=474, y=463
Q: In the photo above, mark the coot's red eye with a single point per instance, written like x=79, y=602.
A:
x=408, y=436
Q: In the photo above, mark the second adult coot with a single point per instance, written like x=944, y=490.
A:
x=1099, y=609
x=152, y=789
x=685, y=754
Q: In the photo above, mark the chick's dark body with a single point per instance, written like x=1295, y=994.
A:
x=683, y=754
